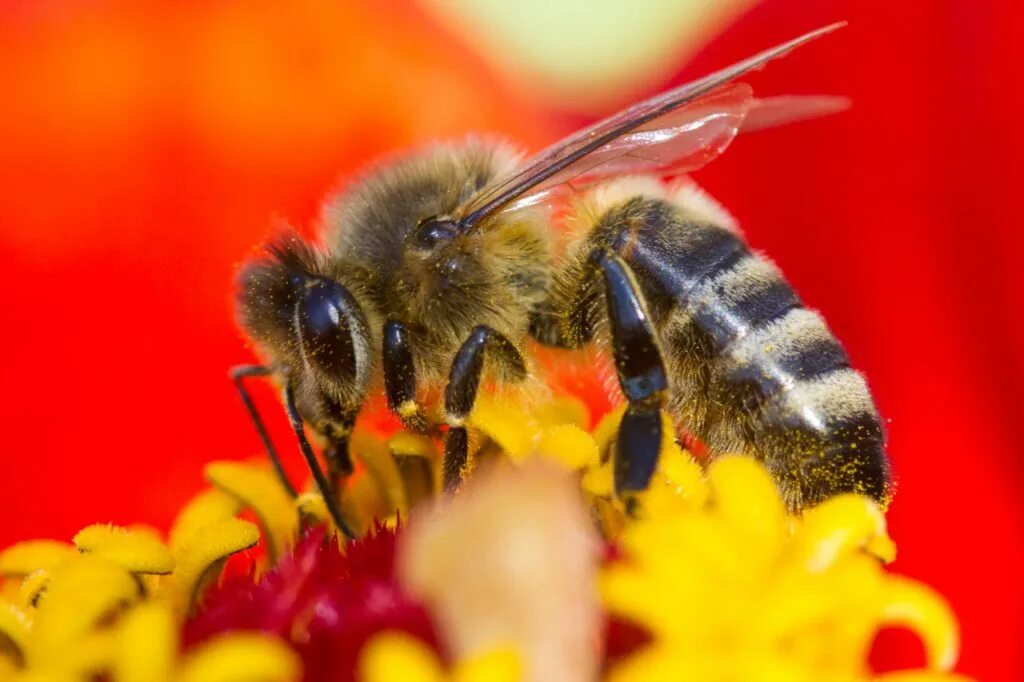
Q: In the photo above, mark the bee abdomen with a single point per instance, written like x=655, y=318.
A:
x=752, y=368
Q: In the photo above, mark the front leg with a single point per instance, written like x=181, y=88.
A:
x=400, y=376
x=637, y=355
x=327, y=490
x=460, y=393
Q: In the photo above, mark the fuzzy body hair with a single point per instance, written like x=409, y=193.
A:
x=494, y=276
x=750, y=368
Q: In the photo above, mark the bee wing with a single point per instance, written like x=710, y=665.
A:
x=675, y=132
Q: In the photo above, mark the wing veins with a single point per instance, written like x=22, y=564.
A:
x=662, y=104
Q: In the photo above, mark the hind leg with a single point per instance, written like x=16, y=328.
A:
x=635, y=350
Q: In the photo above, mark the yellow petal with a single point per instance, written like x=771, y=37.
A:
x=838, y=526
x=205, y=508
x=412, y=444
x=33, y=587
x=258, y=488
x=90, y=657
x=417, y=462
x=746, y=497
x=568, y=444
x=496, y=665
x=608, y=427
x=136, y=551
x=14, y=632
x=382, y=470
x=25, y=557
x=920, y=676
x=921, y=609
x=677, y=480
x=146, y=644
x=312, y=509
x=393, y=656
x=564, y=409
x=507, y=423
x=242, y=657
x=598, y=480
x=80, y=595
x=200, y=560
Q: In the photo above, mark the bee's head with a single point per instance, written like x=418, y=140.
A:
x=306, y=321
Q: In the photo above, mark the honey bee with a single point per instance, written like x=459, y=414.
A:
x=433, y=263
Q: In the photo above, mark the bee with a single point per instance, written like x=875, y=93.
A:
x=436, y=262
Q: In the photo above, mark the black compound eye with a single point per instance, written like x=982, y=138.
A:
x=322, y=325
x=433, y=231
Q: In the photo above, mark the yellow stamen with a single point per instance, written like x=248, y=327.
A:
x=202, y=558
x=242, y=657
x=79, y=595
x=146, y=644
x=919, y=608
x=25, y=557
x=136, y=551
x=258, y=489
x=202, y=510
x=14, y=632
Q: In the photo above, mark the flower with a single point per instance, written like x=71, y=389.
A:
x=532, y=571
x=737, y=589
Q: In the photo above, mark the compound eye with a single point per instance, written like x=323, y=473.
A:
x=322, y=325
x=433, y=231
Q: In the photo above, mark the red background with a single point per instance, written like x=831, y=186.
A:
x=145, y=151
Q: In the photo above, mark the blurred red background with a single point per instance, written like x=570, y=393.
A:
x=145, y=149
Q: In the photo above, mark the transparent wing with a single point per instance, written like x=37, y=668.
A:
x=675, y=132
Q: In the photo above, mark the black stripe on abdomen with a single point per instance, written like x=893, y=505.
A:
x=670, y=254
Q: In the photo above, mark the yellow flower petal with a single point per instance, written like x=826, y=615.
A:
x=417, y=460
x=205, y=508
x=921, y=609
x=608, y=427
x=14, y=632
x=598, y=481
x=26, y=557
x=33, y=587
x=563, y=409
x=90, y=657
x=393, y=656
x=507, y=423
x=312, y=509
x=746, y=497
x=838, y=526
x=382, y=470
x=146, y=644
x=496, y=665
x=568, y=444
x=201, y=559
x=921, y=676
x=242, y=657
x=411, y=444
x=136, y=551
x=258, y=488
x=79, y=596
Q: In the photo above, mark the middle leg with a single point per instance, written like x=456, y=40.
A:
x=460, y=393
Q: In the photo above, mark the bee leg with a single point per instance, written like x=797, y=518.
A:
x=238, y=376
x=336, y=453
x=641, y=374
x=400, y=376
x=326, y=490
x=460, y=393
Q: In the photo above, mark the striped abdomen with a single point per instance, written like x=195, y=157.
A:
x=751, y=368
